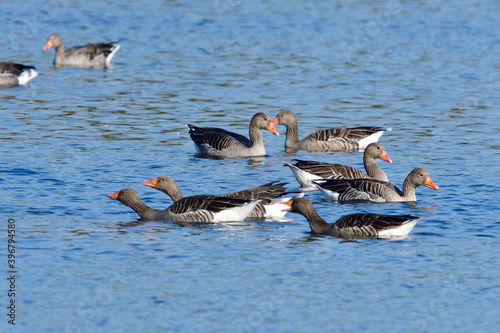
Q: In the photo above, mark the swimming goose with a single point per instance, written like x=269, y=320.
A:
x=95, y=55
x=199, y=208
x=355, y=225
x=219, y=142
x=375, y=190
x=307, y=171
x=12, y=74
x=267, y=194
x=333, y=139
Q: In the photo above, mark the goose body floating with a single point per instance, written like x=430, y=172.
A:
x=344, y=190
x=212, y=141
x=307, y=171
x=355, y=225
x=269, y=205
x=94, y=55
x=198, y=208
x=332, y=139
x=13, y=74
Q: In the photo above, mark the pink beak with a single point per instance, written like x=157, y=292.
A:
x=48, y=45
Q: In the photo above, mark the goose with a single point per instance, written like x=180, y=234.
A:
x=12, y=74
x=95, y=55
x=375, y=190
x=219, y=142
x=199, y=208
x=355, y=225
x=333, y=139
x=269, y=205
x=307, y=171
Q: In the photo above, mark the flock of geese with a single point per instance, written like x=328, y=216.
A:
x=335, y=181
x=94, y=55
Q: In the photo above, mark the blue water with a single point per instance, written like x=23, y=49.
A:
x=427, y=69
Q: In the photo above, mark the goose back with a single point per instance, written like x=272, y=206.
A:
x=90, y=55
x=307, y=171
x=206, y=208
x=13, y=74
x=344, y=190
x=266, y=194
x=217, y=141
x=332, y=139
x=338, y=139
x=369, y=225
x=355, y=225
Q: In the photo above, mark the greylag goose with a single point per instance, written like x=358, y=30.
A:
x=199, y=208
x=219, y=142
x=355, y=225
x=307, y=171
x=267, y=194
x=333, y=139
x=375, y=190
x=12, y=74
x=95, y=55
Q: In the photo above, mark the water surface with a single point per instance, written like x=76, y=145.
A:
x=429, y=70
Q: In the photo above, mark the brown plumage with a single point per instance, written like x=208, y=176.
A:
x=199, y=208
x=332, y=139
x=355, y=225
x=267, y=194
x=374, y=190
x=94, y=55
x=219, y=142
x=307, y=171
x=13, y=74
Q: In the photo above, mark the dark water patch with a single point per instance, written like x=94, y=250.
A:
x=39, y=212
x=36, y=248
x=432, y=234
x=19, y=172
x=487, y=236
x=53, y=181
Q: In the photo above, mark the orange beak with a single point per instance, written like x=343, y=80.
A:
x=275, y=121
x=151, y=183
x=114, y=195
x=48, y=45
x=271, y=129
x=430, y=184
x=385, y=157
x=288, y=203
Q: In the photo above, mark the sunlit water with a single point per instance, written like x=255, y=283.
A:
x=429, y=70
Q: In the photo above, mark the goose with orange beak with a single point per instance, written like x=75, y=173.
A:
x=307, y=171
x=345, y=190
x=331, y=139
x=210, y=141
x=94, y=55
